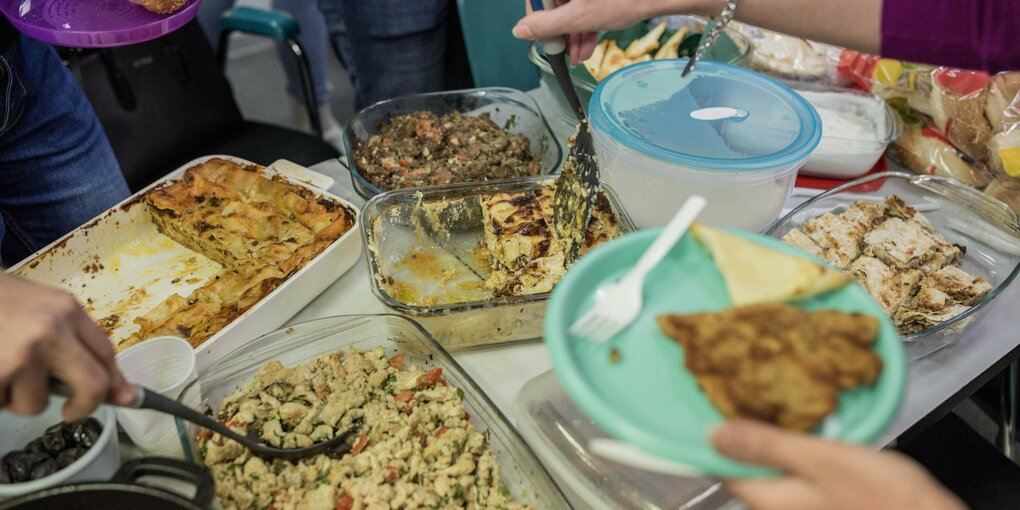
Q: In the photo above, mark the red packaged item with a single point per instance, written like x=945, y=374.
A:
x=957, y=101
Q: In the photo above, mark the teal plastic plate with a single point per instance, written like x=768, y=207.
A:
x=648, y=398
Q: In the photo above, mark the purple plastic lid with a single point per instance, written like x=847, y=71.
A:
x=92, y=23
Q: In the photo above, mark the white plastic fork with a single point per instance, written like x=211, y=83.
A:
x=618, y=304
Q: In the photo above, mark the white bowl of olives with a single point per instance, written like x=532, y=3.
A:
x=37, y=452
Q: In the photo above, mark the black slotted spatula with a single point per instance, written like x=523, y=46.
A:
x=578, y=183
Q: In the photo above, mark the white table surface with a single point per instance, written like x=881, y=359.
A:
x=502, y=371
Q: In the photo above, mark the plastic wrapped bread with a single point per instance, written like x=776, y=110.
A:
x=925, y=151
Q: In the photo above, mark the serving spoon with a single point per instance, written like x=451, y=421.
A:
x=148, y=399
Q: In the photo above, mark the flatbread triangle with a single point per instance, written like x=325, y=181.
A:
x=756, y=274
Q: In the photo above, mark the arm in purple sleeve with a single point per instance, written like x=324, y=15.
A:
x=971, y=34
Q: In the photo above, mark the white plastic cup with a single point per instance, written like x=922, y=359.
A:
x=165, y=365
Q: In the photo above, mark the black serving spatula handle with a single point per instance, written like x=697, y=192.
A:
x=555, y=49
x=578, y=183
x=148, y=399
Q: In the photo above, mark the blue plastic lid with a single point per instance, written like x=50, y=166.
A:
x=719, y=117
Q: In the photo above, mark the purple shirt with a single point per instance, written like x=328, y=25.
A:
x=970, y=34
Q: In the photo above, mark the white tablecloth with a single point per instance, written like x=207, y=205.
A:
x=502, y=371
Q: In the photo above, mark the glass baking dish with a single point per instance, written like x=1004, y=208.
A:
x=394, y=226
x=511, y=109
x=522, y=473
x=987, y=227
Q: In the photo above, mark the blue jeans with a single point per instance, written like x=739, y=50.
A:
x=389, y=47
x=57, y=169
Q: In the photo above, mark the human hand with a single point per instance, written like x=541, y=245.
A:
x=581, y=20
x=823, y=474
x=43, y=332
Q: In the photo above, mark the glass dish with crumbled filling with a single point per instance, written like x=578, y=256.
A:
x=448, y=137
x=429, y=437
x=435, y=256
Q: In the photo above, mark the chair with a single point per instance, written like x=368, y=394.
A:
x=282, y=28
x=496, y=58
x=165, y=102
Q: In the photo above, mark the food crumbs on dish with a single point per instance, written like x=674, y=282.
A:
x=614, y=355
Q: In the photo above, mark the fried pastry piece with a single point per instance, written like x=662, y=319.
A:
x=900, y=244
x=798, y=239
x=941, y=296
x=839, y=237
x=864, y=214
x=756, y=274
x=888, y=287
x=161, y=6
x=777, y=363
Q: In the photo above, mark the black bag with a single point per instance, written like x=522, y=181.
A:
x=160, y=102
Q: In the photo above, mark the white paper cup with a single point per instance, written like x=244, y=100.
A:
x=165, y=365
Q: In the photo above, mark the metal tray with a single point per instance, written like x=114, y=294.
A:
x=988, y=228
x=119, y=262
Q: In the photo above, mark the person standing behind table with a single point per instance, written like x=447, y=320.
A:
x=57, y=171
x=956, y=33
x=390, y=48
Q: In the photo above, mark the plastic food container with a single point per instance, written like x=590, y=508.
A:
x=510, y=109
x=729, y=134
x=988, y=228
x=98, y=463
x=559, y=433
x=522, y=473
x=856, y=129
x=395, y=226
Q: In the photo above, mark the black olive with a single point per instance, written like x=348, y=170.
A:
x=86, y=432
x=68, y=456
x=54, y=439
x=20, y=464
x=44, y=468
x=36, y=446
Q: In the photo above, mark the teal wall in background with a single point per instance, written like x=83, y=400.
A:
x=495, y=56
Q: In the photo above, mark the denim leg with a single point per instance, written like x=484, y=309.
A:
x=57, y=169
x=336, y=30
x=389, y=54
x=313, y=40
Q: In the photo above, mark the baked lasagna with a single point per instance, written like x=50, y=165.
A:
x=261, y=230
x=525, y=253
x=899, y=256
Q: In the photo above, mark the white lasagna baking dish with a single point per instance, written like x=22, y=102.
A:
x=120, y=264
